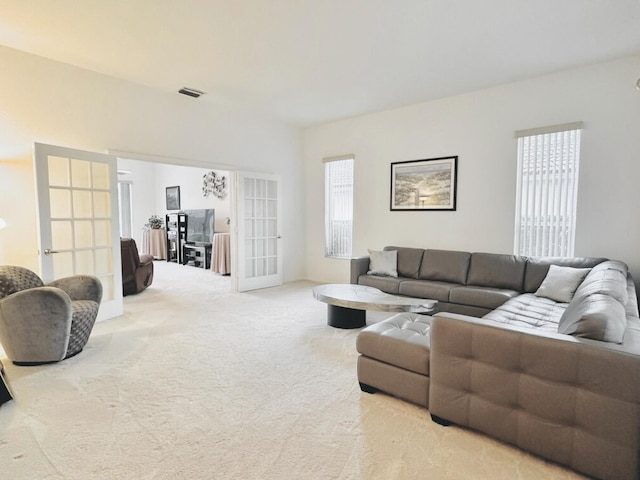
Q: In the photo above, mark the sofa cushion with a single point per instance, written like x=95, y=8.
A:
x=486, y=297
x=497, y=270
x=402, y=340
x=427, y=289
x=608, y=278
x=409, y=260
x=596, y=316
x=386, y=284
x=561, y=283
x=537, y=268
x=383, y=263
x=445, y=266
x=527, y=310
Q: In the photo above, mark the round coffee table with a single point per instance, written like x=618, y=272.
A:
x=347, y=303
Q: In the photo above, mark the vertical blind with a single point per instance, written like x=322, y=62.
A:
x=338, y=196
x=547, y=190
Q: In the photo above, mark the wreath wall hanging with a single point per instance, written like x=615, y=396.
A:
x=215, y=184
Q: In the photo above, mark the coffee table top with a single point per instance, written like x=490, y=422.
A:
x=362, y=297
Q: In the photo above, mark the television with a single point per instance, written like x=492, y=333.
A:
x=200, y=226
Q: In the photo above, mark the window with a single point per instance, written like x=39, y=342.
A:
x=125, y=206
x=338, y=206
x=547, y=190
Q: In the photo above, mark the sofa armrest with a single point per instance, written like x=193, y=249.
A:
x=359, y=266
x=569, y=400
x=80, y=287
x=145, y=259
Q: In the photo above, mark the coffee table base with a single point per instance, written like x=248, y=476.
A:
x=342, y=317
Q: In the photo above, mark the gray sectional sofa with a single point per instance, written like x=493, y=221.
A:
x=541, y=357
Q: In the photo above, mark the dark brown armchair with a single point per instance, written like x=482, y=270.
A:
x=137, y=270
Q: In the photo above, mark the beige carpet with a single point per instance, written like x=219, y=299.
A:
x=198, y=382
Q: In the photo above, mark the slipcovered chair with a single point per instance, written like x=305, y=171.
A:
x=45, y=323
x=137, y=270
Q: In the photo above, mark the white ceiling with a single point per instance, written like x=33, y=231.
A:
x=312, y=61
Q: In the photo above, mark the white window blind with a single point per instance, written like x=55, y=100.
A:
x=547, y=190
x=338, y=196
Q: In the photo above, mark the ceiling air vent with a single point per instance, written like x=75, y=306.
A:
x=192, y=92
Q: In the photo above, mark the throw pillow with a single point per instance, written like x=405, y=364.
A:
x=561, y=283
x=383, y=263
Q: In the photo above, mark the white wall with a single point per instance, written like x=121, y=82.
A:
x=149, y=181
x=479, y=127
x=55, y=103
x=190, y=181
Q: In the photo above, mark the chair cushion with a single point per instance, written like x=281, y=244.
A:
x=82, y=320
x=14, y=278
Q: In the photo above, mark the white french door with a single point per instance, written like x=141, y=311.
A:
x=257, y=262
x=78, y=219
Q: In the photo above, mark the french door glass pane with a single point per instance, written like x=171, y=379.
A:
x=83, y=233
x=80, y=174
x=102, y=204
x=104, y=260
x=61, y=235
x=82, y=205
x=59, y=203
x=58, y=171
x=63, y=265
x=84, y=261
x=103, y=233
x=101, y=176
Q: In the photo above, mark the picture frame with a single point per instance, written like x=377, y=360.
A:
x=173, y=198
x=429, y=184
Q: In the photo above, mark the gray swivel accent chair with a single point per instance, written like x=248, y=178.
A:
x=45, y=323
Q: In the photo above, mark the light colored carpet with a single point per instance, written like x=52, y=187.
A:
x=196, y=381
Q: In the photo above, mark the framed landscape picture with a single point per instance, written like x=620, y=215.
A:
x=424, y=184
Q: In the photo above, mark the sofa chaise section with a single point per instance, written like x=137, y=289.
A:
x=572, y=400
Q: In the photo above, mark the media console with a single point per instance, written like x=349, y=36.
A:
x=197, y=255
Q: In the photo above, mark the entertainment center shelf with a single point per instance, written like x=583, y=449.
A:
x=190, y=237
x=176, y=224
x=197, y=255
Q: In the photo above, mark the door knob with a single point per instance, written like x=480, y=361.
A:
x=48, y=251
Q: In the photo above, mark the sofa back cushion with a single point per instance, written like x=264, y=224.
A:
x=608, y=278
x=445, y=266
x=497, y=270
x=597, y=316
x=598, y=309
x=538, y=267
x=409, y=260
